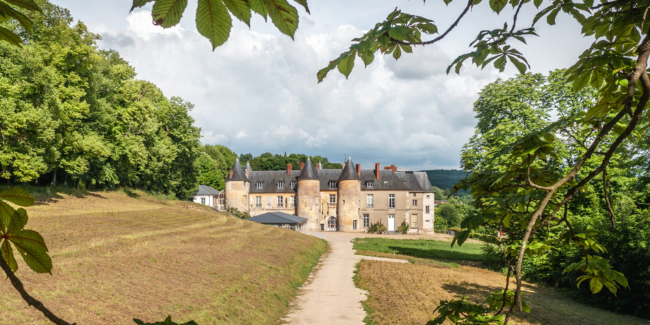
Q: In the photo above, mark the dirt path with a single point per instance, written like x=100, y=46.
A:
x=330, y=297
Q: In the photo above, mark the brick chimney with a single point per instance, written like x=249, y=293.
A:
x=231, y=173
x=377, y=171
x=391, y=167
x=359, y=169
x=289, y=169
x=317, y=166
x=302, y=165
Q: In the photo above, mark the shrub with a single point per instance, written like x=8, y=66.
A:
x=403, y=228
x=377, y=228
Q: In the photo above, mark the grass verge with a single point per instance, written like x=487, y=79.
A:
x=402, y=293
x=118, y=256
x=421, y=248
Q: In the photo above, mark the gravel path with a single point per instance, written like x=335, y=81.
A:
x=330, y=297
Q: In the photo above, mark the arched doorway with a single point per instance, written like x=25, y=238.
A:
x=331, y=224
x=221, y=201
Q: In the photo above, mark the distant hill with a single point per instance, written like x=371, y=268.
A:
x=445, y=179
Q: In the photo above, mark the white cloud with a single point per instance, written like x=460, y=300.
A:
x=258, y=92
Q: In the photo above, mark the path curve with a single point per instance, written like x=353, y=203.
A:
x=330, y=297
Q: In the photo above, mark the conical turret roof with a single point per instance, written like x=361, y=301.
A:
x=237, y=173
x=248, y=166
x=308, y=172
x=349, y=171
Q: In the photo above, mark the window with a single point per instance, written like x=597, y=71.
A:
x=427, y=210
x=293, y=201
x=203, y=200
x=332, y=185
x=369, y=184
x=428, y=196
x=259, y=185
x=258, y=201
x=391, y=200
x=414, y=221
x=280, y=201
x=354, y=225
x=415, y=202
x=293, y=184
x=415, y=194
x=332, y=198
x=279, y=185
x=366, y=220
x=371, y=200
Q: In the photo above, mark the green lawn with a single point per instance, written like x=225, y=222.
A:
x=431, y=249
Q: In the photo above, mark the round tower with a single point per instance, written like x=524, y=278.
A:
x=349, y=198
x=308, y=194
x=237, y=188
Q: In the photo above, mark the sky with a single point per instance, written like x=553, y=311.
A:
x=259, y=93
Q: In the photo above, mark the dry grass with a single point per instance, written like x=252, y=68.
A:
x=408, y=293
x=118, y=257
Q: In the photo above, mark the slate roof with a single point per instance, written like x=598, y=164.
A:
x=278, y=218
x=308, y=171
x=349, y=171
x=269, y=180
x=248, y=166
x=238, y=174
x=387, y=181
x=206, y=190
x=416, y=181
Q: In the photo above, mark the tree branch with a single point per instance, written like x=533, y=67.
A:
x=612, y=216
x=514, y=20
x=18, y=285
x=469, y=5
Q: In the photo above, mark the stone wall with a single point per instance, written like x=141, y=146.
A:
x=309, y=203
x=270, y=203
x=237, y=196
x=349, y=205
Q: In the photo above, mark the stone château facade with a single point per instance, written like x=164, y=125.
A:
x=336, y=200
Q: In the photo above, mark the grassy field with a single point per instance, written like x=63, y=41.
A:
x=124, y=255
x=408, y=293
x=429, y=249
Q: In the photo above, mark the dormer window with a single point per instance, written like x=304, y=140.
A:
x=259, y=185
x=279, y=185
x=332, y=185
x=293, y=184
x=369, y=184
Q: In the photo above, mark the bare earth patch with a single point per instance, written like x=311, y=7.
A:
x=408, y=293
x=117, y=258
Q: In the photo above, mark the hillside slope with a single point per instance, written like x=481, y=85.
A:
x=445, y=178
x=117, y=258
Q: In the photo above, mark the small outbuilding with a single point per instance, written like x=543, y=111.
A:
x=281, y=220
x=206, y=195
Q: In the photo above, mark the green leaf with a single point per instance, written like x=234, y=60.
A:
x=406, y=48
x=398, y=32
x=397, y=53
x=9, y=36
x=6, y=213
x=542, y=14
x=367, y=57
x=322, y=73
x=537, y=3
x=8, y=255
x=240, y=9
x=498, y=5
x=595, y=285
x=26, y=4
x=259, y=6
x=284, y=16
x=168, y=13
x=520, y=66
x=139, y=3
x=213, y=21
x=18, y=220
x=551, y=18
x=17, y=196
x=346, y=64
x=500, y=63
x=31, y=247
x=303, y=3
x=9, y=12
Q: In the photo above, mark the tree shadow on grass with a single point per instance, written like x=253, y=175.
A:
x=51, y=194
x=433, y=253
x=475, y=292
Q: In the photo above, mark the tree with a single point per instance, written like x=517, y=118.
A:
x=536, y=187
